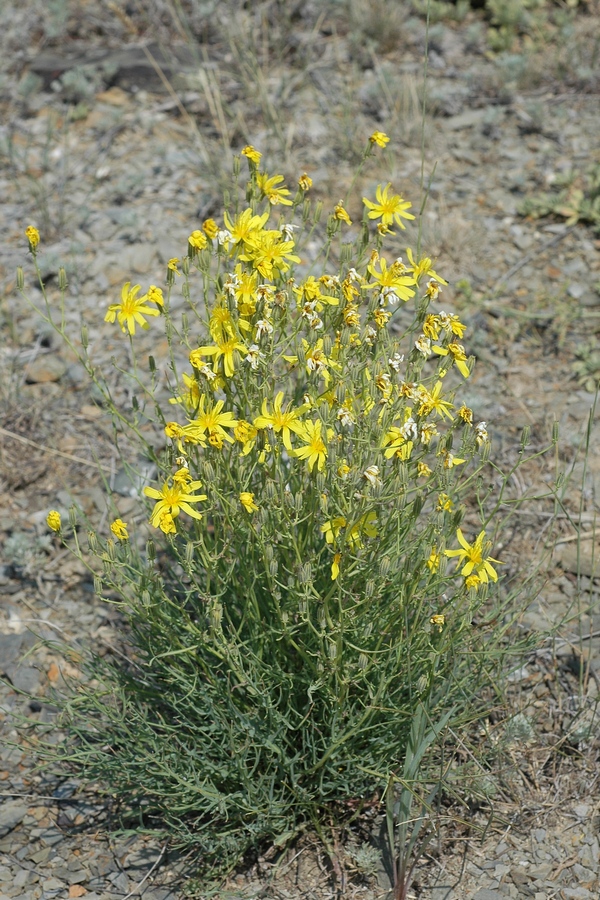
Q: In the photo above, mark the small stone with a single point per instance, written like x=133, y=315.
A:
x=487, y=894
x=11, y=815
x=45, y=369
x=76, y=890
x=576, y=290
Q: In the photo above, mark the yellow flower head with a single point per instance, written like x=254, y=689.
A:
x=390, y=208
x=379, y=138
x=252, y=154
x=155, y=295
x=53, y=520
x=174, y=498
x=33, y=236
x=335, y=566
x=269, y=187
x=210, y=228
x=305, y=182
x=340, y=213
x=474, y=559
x=438, y=621
x=433, y=563
x=131, y=309
x=197, y=240
x=315, y=449
x=172, y=265
x=119, y=529
x=247, y=501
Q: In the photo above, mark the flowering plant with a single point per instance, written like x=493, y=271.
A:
x=294, y=604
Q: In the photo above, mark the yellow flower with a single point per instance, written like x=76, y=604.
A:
x=335, y=566
x=392, y=283
x=423, y=267
x=305, y=182
x=119, y=529
x=466, y=414
x=379, y=138
x=332, y=528
x=340, y=213
x=315, y=450
x=269, y=253
x=450, y=460
x=431, y=402
x=423, y=470
x=172, y=499
x=343, y=470
x=364, y=526
x=285, y=421
x=245, y=433
x=33, y=236
x=197, y=240
x=245, y=226
x=473, y=581
x=252, y=154
x=438, y=621
x=155, y=295
x=475, y=563
x=172, y=265
x=268, y=187
x=226, y=349
x=213, y=421
x=53, y=520
x=444, y=503
x=433, y=563
x=247, y=501
x=131, y=309
x=390, y=208
x=210, y=228
x=457, y=351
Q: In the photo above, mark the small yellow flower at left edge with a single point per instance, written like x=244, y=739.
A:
x=335, y=566
x=119, y=529
x=33, y=236
x=247, y=501
x=340, y=213
x=53, y=520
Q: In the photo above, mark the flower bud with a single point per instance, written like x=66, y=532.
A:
x=93, y=542
x=369, y=588
x=215, y=615
x=85, y=338
x=273, y=567
x=305, y=573
x=555, y=429
x=189, y=553
x=270, y=490
x=110, y=550
x=208, y=470
x=318, y=211
x=62, y=279
x=269, y=552
x=525, y=437
x=20, y=279
x=332, y=650
x=363, y=661
x=97, y=585
x=321, y=481
x=145, y=598
x=73, y=517
x=150, y=550
x=384, y=565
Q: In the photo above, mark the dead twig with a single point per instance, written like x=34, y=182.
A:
x=69, y=456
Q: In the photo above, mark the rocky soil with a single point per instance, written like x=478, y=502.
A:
x=116, y=137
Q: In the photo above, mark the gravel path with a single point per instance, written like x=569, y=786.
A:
x=96, y=151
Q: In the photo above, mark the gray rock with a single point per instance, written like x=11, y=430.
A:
x=11, y=814
x=45, y=369
x=24, y=678
x=487, y=894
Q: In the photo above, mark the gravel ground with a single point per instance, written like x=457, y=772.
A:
x=116, y=168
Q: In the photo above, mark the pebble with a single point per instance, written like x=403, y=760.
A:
x=45, y=369
x=11, y=814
